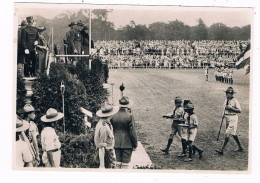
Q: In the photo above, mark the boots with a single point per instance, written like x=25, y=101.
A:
x=166, y=150
x=220, y=151
x=184, y=148
x=200, y=151
x=240, y=148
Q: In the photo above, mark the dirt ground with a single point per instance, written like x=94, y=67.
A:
x=153, y=90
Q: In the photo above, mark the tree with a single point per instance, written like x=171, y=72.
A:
x=177, y=30
x=157, y=31
x=200, y=32
x=219, y=31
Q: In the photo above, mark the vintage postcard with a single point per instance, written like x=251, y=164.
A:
x=132, y=88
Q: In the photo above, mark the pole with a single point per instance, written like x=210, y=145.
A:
x=220, y=127
x=112, y=93
x=89, y=38
x=63, y=113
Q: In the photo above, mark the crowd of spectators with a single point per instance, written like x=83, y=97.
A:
x=169, y=54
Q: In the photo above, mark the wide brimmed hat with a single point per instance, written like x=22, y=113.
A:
x=185, y=102
x=189, y=106
x=28, y=108
x=30, y=19
x=41, y=28
x=21, y=125
x=72, y=23
x=80, y=23
x=107, y=110
x=52, y=115
x=125, y=102
x=230, y=90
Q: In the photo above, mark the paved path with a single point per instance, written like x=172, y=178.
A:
x=140, y=157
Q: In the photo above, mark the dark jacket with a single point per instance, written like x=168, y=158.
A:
x=124, y=130
x=29, y=36
x=85, y=42
x=75, y=39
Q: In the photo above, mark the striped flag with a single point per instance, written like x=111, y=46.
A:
x=244, y=60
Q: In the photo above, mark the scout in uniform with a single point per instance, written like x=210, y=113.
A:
x=104, y=137
x=24, y=157
x=177, y=116
x=32, y=132
x=231, y=109
x=50, y=140
x=191, y=124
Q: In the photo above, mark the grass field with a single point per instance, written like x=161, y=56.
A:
x=152, y=91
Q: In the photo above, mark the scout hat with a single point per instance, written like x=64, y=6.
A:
x=230, y=90
x=30, y=19
x=125, y=102
x=189, y=106
x=28, y=108
x=80, y=23
x=21, y=125
x=107, y=110
x=52, y=115
x=72, y=23
x=186, y=102
x=178, y=99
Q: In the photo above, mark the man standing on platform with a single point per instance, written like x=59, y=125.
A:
x=29, y=36
x=67, y=47
x=20, y=51
x=75, y=40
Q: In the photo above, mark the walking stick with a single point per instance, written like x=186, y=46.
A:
x=220, y=127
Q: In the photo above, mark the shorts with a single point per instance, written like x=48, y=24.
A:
x=231, y=123
x=56, y=158
x=174, y=129
x=123, y=155
x=190, y=134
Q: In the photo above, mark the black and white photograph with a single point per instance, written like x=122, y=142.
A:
x=132, y=88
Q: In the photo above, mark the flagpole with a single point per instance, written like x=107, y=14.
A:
x=89, y=38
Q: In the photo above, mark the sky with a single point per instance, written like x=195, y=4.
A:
x=122, y=15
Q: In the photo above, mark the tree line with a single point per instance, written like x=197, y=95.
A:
x=102, y=29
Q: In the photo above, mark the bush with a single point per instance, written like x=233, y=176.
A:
x=78, y=151
x=47, y=95
x=93, y=81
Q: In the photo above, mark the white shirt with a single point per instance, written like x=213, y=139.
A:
x=49, y=139
x=23, y=154
x=233, y=103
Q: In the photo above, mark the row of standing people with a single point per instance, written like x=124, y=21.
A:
x=185, y=124
x=32, y=48
x=76, y=41
x=115, y=137
x=224, y=74
x=27, y=149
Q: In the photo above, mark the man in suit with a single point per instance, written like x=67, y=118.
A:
x=29, y=36
x=67, y=49
x=125, y=135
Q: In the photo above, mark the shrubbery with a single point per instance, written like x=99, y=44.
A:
x=83, y=88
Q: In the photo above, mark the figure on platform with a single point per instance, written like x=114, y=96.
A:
x=75, y=41
x=41, y=49
x=20, y=50
x=125, y=134
x=29, y=36
x=67, y=47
